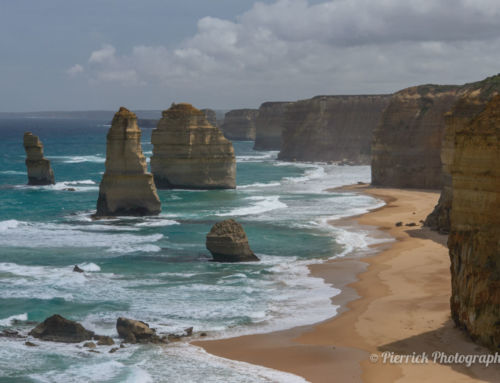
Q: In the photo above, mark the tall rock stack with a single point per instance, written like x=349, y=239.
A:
x=474, y=240
x=126, y=187
x=269, y=125
x=331, y=128
x=190, y=153
x=472, y=100
x=406, y=148
x=239, y=124
x=39, y=169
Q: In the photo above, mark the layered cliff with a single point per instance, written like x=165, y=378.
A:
x=269, y=125
x=406, y=148
x=126, y=188
x=474, y=240
x=188, y=152
x=472, y=99
x=39, y=170
x=331, y=128
x=239, y=124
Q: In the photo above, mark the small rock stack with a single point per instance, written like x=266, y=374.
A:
x=228, y=242
x=126, y=187
x=39, y=169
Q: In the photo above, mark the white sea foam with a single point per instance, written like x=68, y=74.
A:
x=89, y=266
x=77, y=186
x=257, y=185
x=12, y=172
x=260, y=205
x=8, y=321
x=52, y=235
x=79, y=159
x=262, y=156
x=158, y=223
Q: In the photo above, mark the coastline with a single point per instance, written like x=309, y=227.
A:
x=396, y=301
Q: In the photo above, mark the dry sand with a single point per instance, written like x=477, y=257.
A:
x=395, y=301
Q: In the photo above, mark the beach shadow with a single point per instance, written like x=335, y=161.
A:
x=426, y=233
x=448, y=340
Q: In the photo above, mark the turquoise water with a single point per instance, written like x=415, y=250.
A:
x=157, y=269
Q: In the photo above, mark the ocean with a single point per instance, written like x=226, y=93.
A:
x=157, y=269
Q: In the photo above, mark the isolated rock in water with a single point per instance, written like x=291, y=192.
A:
x=134, y=331
x=474, y=239
x=228, y=242
x=39, y=169
x=126, y=187
x=211, y=116
x=239, y=124
x=269, y=125
x=190, y=153
x=59, y=329
x=76, y=269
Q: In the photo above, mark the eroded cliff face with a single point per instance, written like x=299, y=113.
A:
x=474, y=239
x=406, y=148
x=331, y=128
x=188, y=152
x=39, y=170
x=239, y=124
x=270, y=123
x=126, y=188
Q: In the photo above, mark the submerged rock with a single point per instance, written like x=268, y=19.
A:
x=134, y=331
x=39, y=170
x=59, y=329
x=126, y=187
x=228, y=242
x=190, y=153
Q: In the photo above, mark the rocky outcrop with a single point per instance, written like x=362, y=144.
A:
x=331, y=128
x=59, y=329
x=134, y=331
x=211, y=116
x=126, y=187
x=269, y=125
x=190, y=153
x=474, y=239
x=239, y=124
x=39, y=169
x=228, y=242
x=406, y=149
x=472, y=99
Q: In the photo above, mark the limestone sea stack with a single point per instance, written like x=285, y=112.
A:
x=474, y=239
x=211, y=116
x=190, y=153
x=331, y=128
x=472, y=100
x=239, y=124
x=39, y=170
x=126, y=187
x=406, y=148
x=269, y=125
x=228, y=242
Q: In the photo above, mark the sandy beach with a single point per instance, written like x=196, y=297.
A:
x=396, y=301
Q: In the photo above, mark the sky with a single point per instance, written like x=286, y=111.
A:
x=226, y=54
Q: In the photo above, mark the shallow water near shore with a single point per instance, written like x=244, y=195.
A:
x=156, y=269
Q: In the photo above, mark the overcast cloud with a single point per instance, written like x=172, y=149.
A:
x=292, y=49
